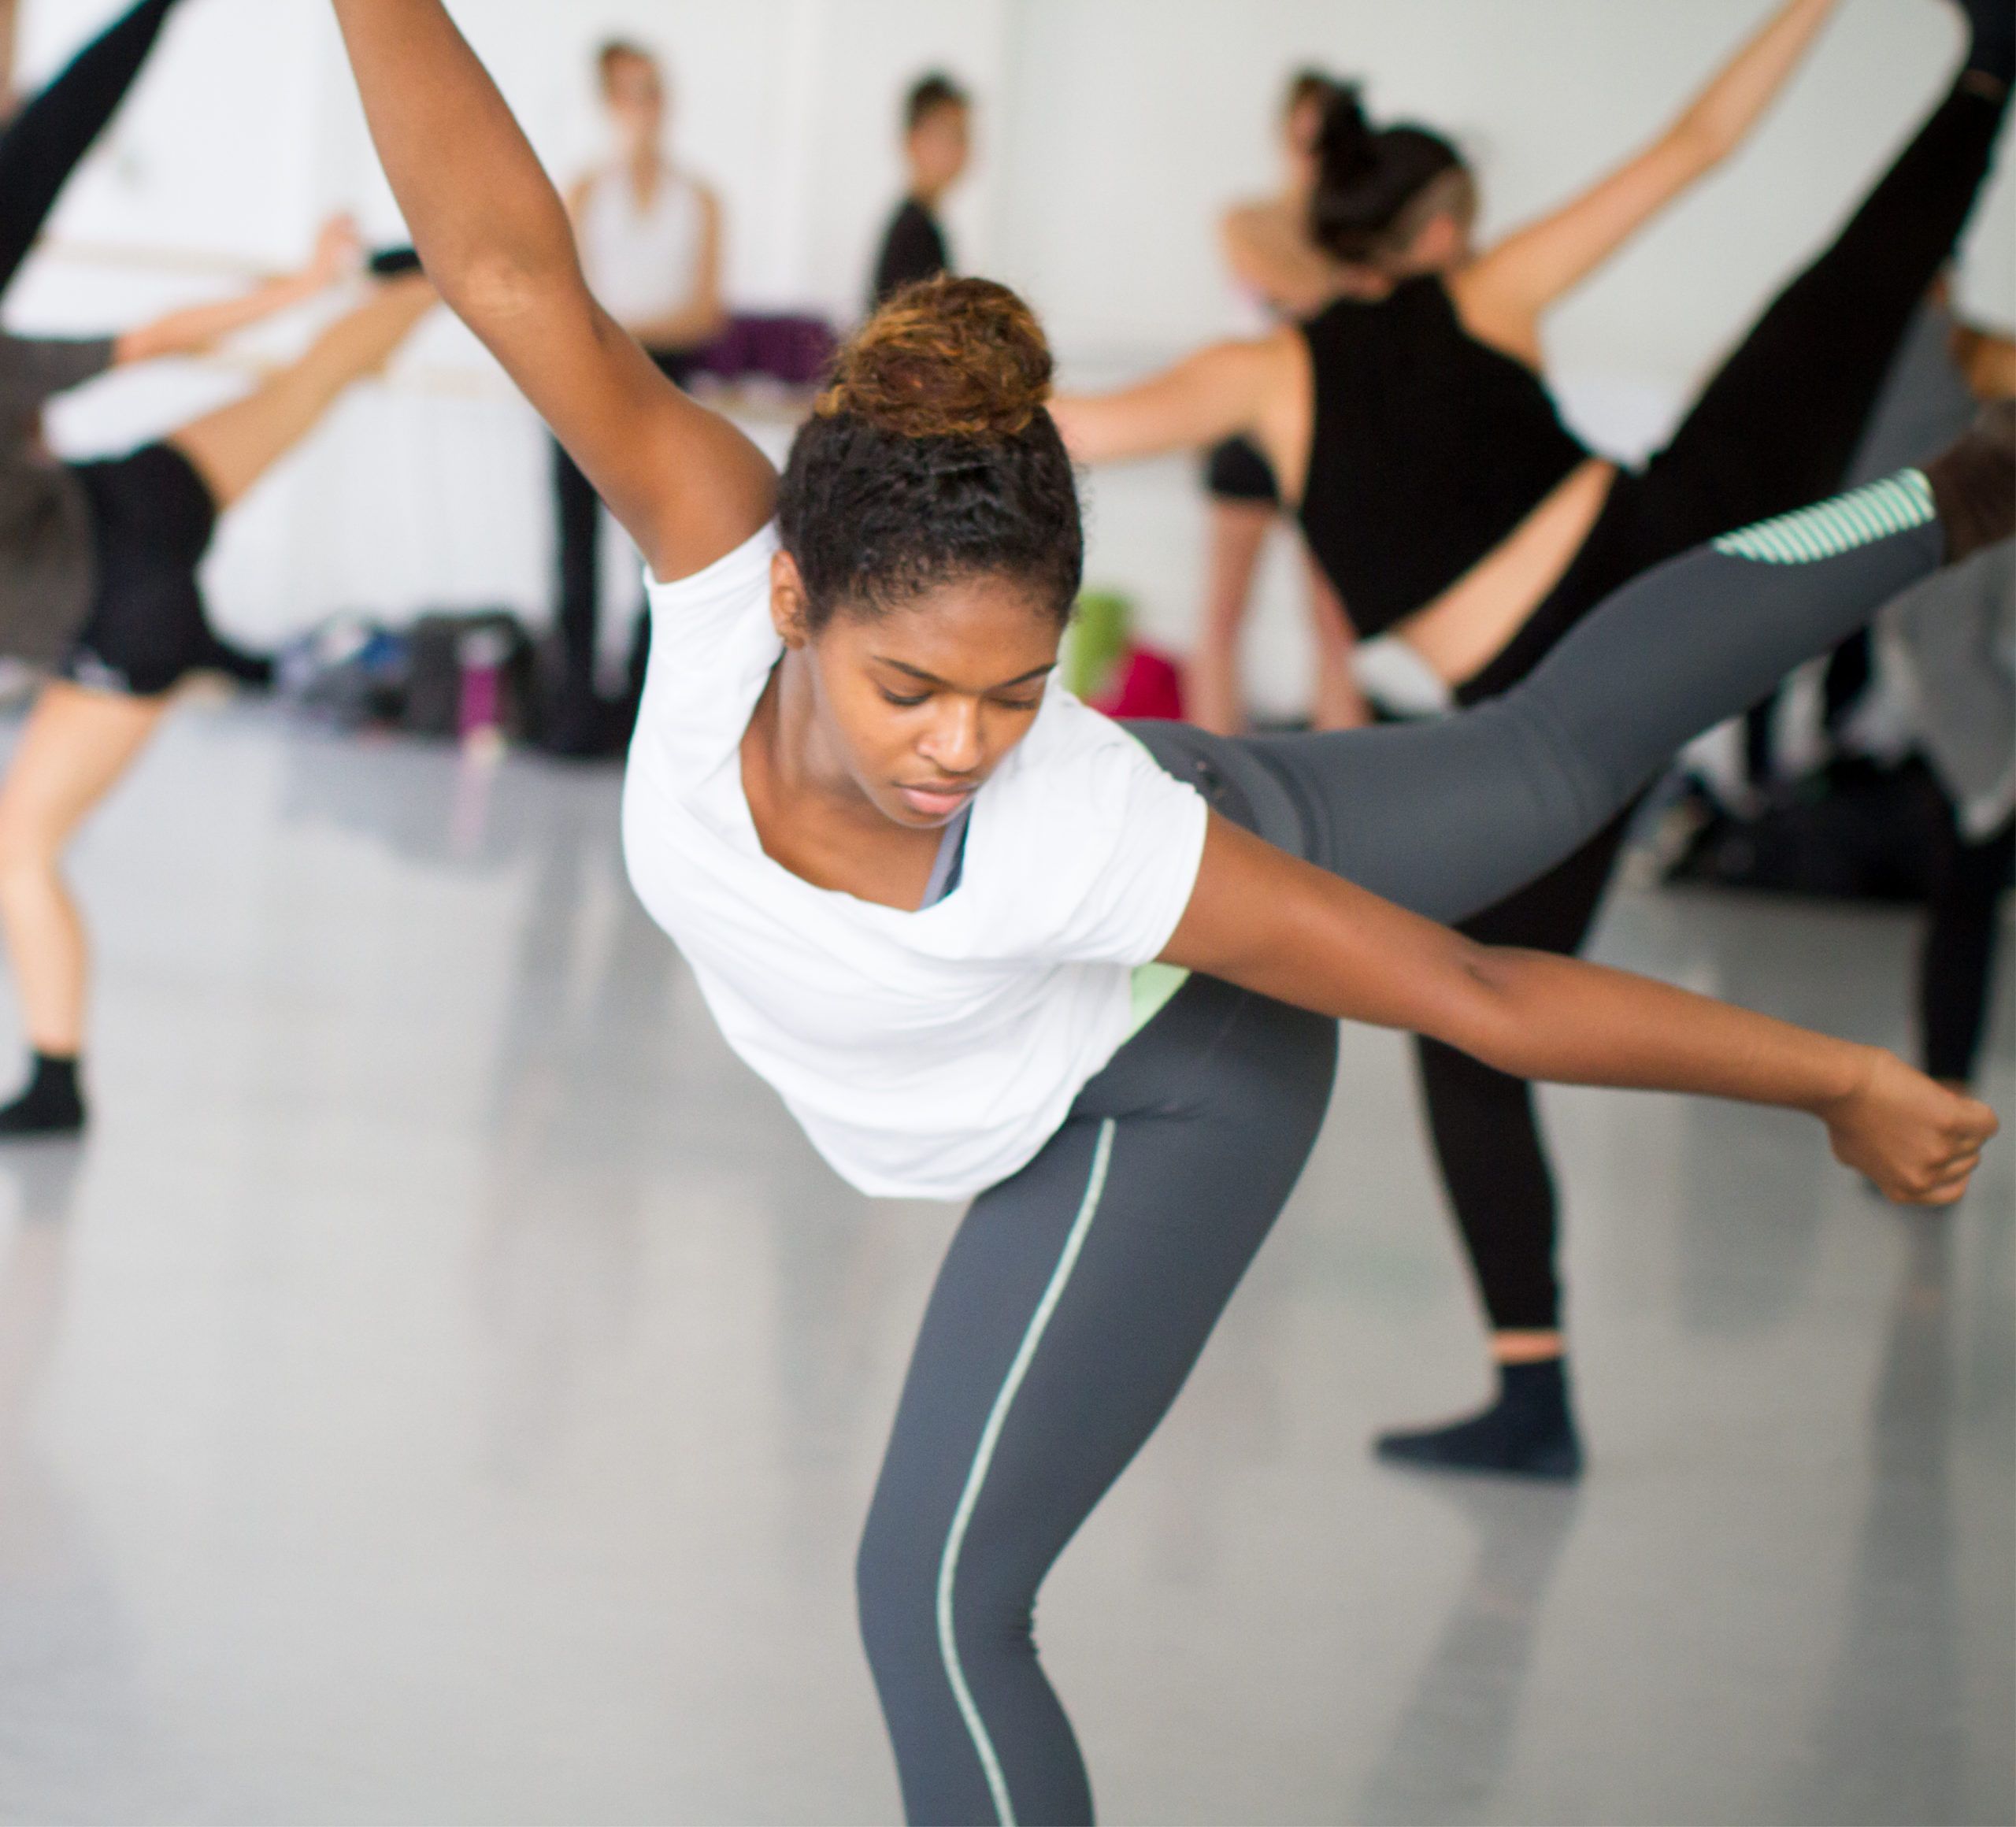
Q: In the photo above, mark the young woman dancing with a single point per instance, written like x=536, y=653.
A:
x=98, y=560
x=1275, y=265
x=1438, y=488
x=984, y=945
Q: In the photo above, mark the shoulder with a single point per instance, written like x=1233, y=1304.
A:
x=1092, y=848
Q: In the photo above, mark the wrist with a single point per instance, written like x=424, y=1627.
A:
x=1846, y=1078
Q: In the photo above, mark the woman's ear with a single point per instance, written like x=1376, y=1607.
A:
x=787, y=603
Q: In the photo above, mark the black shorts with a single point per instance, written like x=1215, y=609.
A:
x=1235, y=471
x=151, y=516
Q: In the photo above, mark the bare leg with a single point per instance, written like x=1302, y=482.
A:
x=1211, y=687
x=1339, y=704
x=76, y=745
x=232, y=447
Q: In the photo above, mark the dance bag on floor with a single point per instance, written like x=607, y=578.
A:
x=1854, y=830
x=468, y=671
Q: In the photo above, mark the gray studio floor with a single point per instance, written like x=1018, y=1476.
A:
x=446, y=1387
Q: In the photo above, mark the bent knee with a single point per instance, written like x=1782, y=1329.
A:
x=30, y=844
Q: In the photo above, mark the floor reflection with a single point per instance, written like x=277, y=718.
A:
x=1458, y=1729
x=72, y=1731
x=1890, y=1739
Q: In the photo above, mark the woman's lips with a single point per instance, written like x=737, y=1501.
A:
x=935, y=802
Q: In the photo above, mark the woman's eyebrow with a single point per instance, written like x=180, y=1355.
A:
x=925, y=678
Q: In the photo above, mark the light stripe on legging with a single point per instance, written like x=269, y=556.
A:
x=1895, y=505
x=948, y=1564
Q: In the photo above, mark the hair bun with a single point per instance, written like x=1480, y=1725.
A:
x=1346, y=143
x=944, y=358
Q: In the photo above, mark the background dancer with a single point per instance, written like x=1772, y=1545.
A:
x=1276, y=265
x=1437, y=485
x=650, y=242
x=937, y=142
x=97, y=576
x=921, y=887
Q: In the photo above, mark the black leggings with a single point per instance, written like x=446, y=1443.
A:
x=1778, y=425
x=44, y=142
x=1956, y=963
x=577, y=512
x=1078, y=1293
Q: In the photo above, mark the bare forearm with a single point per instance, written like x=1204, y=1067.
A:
x=1719, y=117
x=185, y=332
x=1571, y=1022
x=481, y=209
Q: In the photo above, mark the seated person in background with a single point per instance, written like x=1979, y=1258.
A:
x=936, y=141
x=649, y=238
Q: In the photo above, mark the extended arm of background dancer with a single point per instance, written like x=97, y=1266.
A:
x=190, y=331
x=1271, y=254
x=1273, y=923
x=1501, y=294
x=495, y=239
x=1238, y=387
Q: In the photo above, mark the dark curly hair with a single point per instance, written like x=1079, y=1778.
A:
x=931, y=458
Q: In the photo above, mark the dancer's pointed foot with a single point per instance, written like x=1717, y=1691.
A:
x=1974, y=483
x=52, y=1105
x=1527, y=1432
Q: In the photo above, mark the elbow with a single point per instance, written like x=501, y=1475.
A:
x=1485, y=1017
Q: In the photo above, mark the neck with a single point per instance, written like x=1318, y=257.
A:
x=801, y=765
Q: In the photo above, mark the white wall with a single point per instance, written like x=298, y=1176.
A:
x=1110, y=132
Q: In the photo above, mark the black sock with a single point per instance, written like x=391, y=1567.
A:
x=51, y=1104
x=1993, y=51
x=1528, y=1430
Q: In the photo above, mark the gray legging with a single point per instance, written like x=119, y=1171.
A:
x=1078, y=1293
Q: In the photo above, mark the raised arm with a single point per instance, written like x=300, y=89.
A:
x=495, y=240
x=186, y=332
x=1502, y=294
x=1271, y=254
x=1260, y=390
x=1271, y=923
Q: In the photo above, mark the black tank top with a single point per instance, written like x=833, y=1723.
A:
x=1428, y=448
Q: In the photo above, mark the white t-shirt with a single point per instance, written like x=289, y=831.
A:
x=641, y=263
x=927, y=1054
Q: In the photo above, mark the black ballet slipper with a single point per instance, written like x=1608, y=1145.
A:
x=392, y=262
x=52, y=1105
x=1527, y=1432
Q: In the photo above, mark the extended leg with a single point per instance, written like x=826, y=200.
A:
x=1779, y=423
x=42, y=143
x=76, y=745
x=1071, y=1307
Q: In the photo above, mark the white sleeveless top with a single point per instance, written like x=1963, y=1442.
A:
x=641, y=263
x=927, y=1054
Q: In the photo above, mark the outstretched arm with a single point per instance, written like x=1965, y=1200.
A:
x=1502, y=294
x=1269, y=922
x=495, y=240
x=1260, y=390
x=186, y=332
